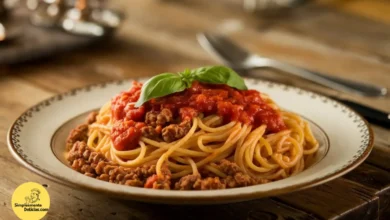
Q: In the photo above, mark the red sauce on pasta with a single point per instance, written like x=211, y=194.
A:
x=245, y=106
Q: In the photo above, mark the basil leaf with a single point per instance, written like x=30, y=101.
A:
x=159, y=86
x=168, y=83
x=219, y=75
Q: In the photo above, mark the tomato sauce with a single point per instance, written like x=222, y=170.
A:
x=231, y=104
x=128, y=120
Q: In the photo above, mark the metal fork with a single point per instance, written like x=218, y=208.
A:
x=236, y=57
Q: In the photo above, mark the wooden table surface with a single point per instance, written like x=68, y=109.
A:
x=350, y=39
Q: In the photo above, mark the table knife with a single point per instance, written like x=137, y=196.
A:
x=372, y=115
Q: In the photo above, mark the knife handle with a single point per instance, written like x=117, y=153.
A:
x=372, y=115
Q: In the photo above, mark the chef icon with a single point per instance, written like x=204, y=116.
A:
x=34, y=196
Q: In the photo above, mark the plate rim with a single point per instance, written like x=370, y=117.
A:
x=193, y=200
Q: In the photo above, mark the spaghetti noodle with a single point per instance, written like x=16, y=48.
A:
x=262, y=141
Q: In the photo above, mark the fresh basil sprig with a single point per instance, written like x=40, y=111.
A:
x=168, y=83
x=219, y=75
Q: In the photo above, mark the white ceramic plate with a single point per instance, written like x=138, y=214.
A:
x=37, y=140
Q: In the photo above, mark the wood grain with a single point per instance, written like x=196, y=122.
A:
x=159, y=36
x=377, y=10
x=377, y=179
x=353, y=200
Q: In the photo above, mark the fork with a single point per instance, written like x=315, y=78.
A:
x=236, y=57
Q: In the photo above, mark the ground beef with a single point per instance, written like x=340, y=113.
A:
x=151, y=133
x=91, y=117
x=83, y=160
x=155, y=118
x=235, y=176
x=93, y=164
x=174, y=132
x=187, y=182
x=238, y=180
x=160, y=182
x=80, y=133
x=228, y=167
x=151, y=118
x=78, y=150
x=161, y=127
x=164, y=117
x=163, y=182
x=210, y=183
x=195, y=182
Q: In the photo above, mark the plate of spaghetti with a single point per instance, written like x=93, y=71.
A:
x=199, y=136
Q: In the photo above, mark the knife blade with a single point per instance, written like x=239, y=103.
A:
x=372, y=115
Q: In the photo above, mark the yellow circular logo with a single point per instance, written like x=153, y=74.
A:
x=30, y=201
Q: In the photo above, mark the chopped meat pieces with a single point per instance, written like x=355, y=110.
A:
x=229, y=168
x=235, y=178
x=187, y=182
x=164, y=117
x=80, y=133
x=174, y=132
x=195, y=182
x=150, y=132
x=150, y=181
x=164, y=181
x=159, y=128
x=154, y=118
x=151, y=118
x=91, y=117
x=210, y=183
x=93, y=164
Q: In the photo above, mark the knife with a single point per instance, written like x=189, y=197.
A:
x=372, y=115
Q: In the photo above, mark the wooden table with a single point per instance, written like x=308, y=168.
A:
x=346, y=38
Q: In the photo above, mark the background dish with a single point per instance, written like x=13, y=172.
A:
x=30, y=145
